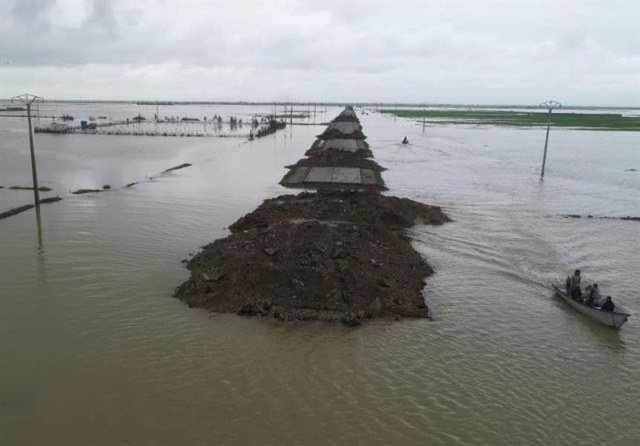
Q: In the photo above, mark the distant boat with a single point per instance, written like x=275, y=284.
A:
x=614, y=318
x=67, y=118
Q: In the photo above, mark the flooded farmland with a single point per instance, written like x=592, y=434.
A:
x=95, y=350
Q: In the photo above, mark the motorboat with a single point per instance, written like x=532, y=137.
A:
x=614, y=318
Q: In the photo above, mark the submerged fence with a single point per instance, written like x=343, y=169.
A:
x=176, y=128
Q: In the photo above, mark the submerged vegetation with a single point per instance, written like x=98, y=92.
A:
x=50, y=200
x=583, y=121
x=15, y=211
x=272, y=127
x=41, y=188
x=26, y=207
x=89, y=191
x=105, y=187
x=181, y=166
x=86, y=191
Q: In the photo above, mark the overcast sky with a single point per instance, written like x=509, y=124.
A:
x=469, y=52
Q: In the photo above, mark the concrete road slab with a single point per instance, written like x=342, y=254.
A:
x=298, y=175
x=319, y=175
x=346, y=175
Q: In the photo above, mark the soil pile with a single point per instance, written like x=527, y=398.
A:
x=359, y=207
x=338, y=158
x=351, y=117
x=332, y=255
x=319, y=145
x=337, y=134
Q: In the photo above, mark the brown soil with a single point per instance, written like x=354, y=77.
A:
x=316, y=150
x=346, y=119
x=370, y=208
x=338, y=158
x=333, y=255
x=337, y=134
x=337, y=187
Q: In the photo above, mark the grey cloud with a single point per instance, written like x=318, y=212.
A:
x=432, y=46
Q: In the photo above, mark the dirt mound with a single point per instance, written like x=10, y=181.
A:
x=334, y=255
x=360, y=207
x=338, y=158
x=337, y=134
x=346, y=118
x=316, y=150
x=362, y=151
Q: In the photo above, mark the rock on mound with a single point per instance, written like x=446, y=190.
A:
x=334, y=256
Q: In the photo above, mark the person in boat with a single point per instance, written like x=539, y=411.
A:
x=405, y=140
x=593, y=295
x=608, y=305
x=574, y=286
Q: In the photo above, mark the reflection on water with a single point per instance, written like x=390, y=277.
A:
x=95, y=351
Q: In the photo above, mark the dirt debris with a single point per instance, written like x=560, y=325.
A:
x=338, y=158
x=332, y=133
x=359, y=207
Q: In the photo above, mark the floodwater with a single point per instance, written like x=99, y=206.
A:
x=94, y=350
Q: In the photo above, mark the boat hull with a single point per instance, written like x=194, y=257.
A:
x=613, y=319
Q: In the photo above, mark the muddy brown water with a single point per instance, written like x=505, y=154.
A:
x=94, y=350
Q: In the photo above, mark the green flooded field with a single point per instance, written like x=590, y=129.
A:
x=585, y=121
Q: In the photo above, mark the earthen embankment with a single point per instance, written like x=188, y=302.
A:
x=338, y=254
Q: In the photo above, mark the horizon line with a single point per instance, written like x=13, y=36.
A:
x=329, y=103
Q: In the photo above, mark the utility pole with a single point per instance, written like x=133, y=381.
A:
x=549, y=105
x=28, y=99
